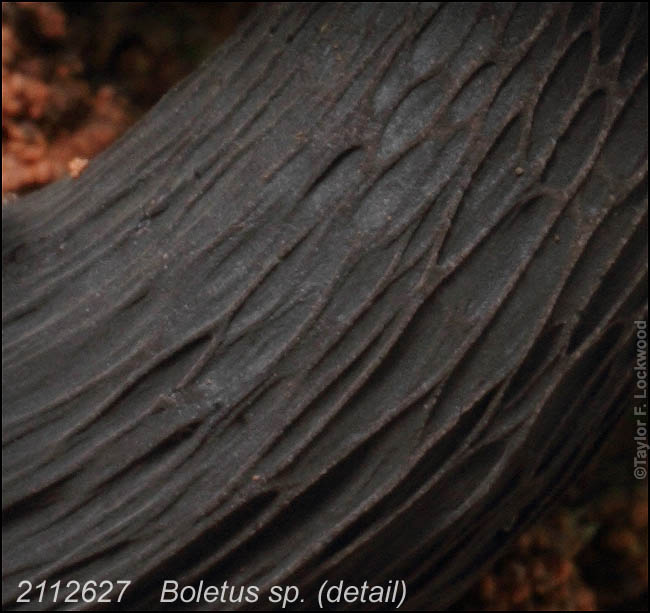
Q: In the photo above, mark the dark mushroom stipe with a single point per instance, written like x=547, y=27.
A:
x=354, y=301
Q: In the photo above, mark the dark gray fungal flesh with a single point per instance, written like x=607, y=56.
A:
x=354, y=301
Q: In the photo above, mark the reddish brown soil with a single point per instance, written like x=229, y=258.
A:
x=50, y=112
x=73, y=80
